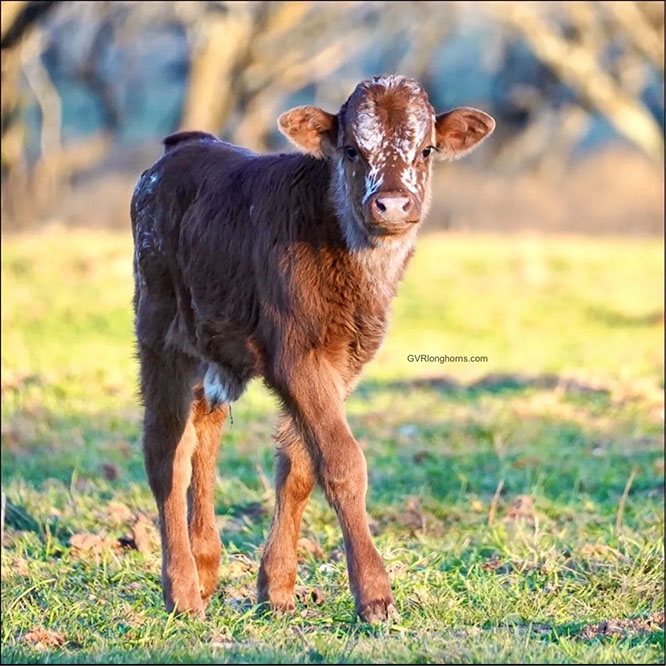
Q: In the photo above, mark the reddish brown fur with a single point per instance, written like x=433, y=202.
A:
x=271, y=266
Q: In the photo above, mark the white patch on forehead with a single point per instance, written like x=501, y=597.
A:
x=381, y=144
x=369, y=131
x=411, y=134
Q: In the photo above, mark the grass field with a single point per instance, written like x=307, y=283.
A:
x=518, y=502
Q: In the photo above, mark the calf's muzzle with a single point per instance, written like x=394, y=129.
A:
x=394, y=209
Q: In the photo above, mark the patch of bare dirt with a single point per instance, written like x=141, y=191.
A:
x=43, y=639
x=623, y=627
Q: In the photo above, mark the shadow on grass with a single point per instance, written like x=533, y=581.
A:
x=440, y=460
x=615, y=319
x=493, y=383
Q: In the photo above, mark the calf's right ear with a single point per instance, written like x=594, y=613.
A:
x=310, y=129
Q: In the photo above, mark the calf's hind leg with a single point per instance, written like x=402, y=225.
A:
x=204, y=535
x=169, y=440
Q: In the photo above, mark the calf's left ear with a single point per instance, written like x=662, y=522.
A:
x=461, y=130
x=309, y=128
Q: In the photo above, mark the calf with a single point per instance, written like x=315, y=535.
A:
x=281, y=267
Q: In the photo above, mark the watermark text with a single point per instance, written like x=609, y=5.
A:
x=445, y=358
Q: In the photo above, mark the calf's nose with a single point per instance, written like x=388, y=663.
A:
x=392, y=207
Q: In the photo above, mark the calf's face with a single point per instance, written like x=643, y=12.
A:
x=381, y=145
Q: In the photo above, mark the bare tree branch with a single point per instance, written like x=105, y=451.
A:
x=17, y=17
x=576, y=66
x=638, y=30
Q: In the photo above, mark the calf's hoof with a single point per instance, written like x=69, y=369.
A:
x=185, y=599
x=208, y=566
x=193, y=607
x=281, y=601
x=379, y=610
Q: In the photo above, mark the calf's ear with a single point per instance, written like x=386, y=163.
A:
x=461, y=130
x=310, y=129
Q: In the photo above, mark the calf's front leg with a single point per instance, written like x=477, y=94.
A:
x=314, y=393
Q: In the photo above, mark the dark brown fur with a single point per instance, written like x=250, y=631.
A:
x=243, y=269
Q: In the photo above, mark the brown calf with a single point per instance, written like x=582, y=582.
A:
x=282, y=267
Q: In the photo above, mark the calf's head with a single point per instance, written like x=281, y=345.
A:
x=381, y=144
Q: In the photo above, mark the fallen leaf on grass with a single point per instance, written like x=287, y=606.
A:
x=43, y=638
x=496, y=565
x=221, y=635
x=239, y=566
x=521, y=509
x=88, y=543
x=309, y=547
x=144, y=536
x=413, y=517
x=310, y=595
x=337, y=554
x=110, y=471
x=18, y=565
x=119, y=512
x=601, y=553
x=622, y=627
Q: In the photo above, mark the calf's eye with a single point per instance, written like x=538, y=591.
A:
x=351, y=152
x=426, y=152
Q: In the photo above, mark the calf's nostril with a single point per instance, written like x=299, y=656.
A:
x=380, y=205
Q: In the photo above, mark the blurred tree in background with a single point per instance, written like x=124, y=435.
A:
x=90, y=88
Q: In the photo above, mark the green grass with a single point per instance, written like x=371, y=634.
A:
x=567, y=409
